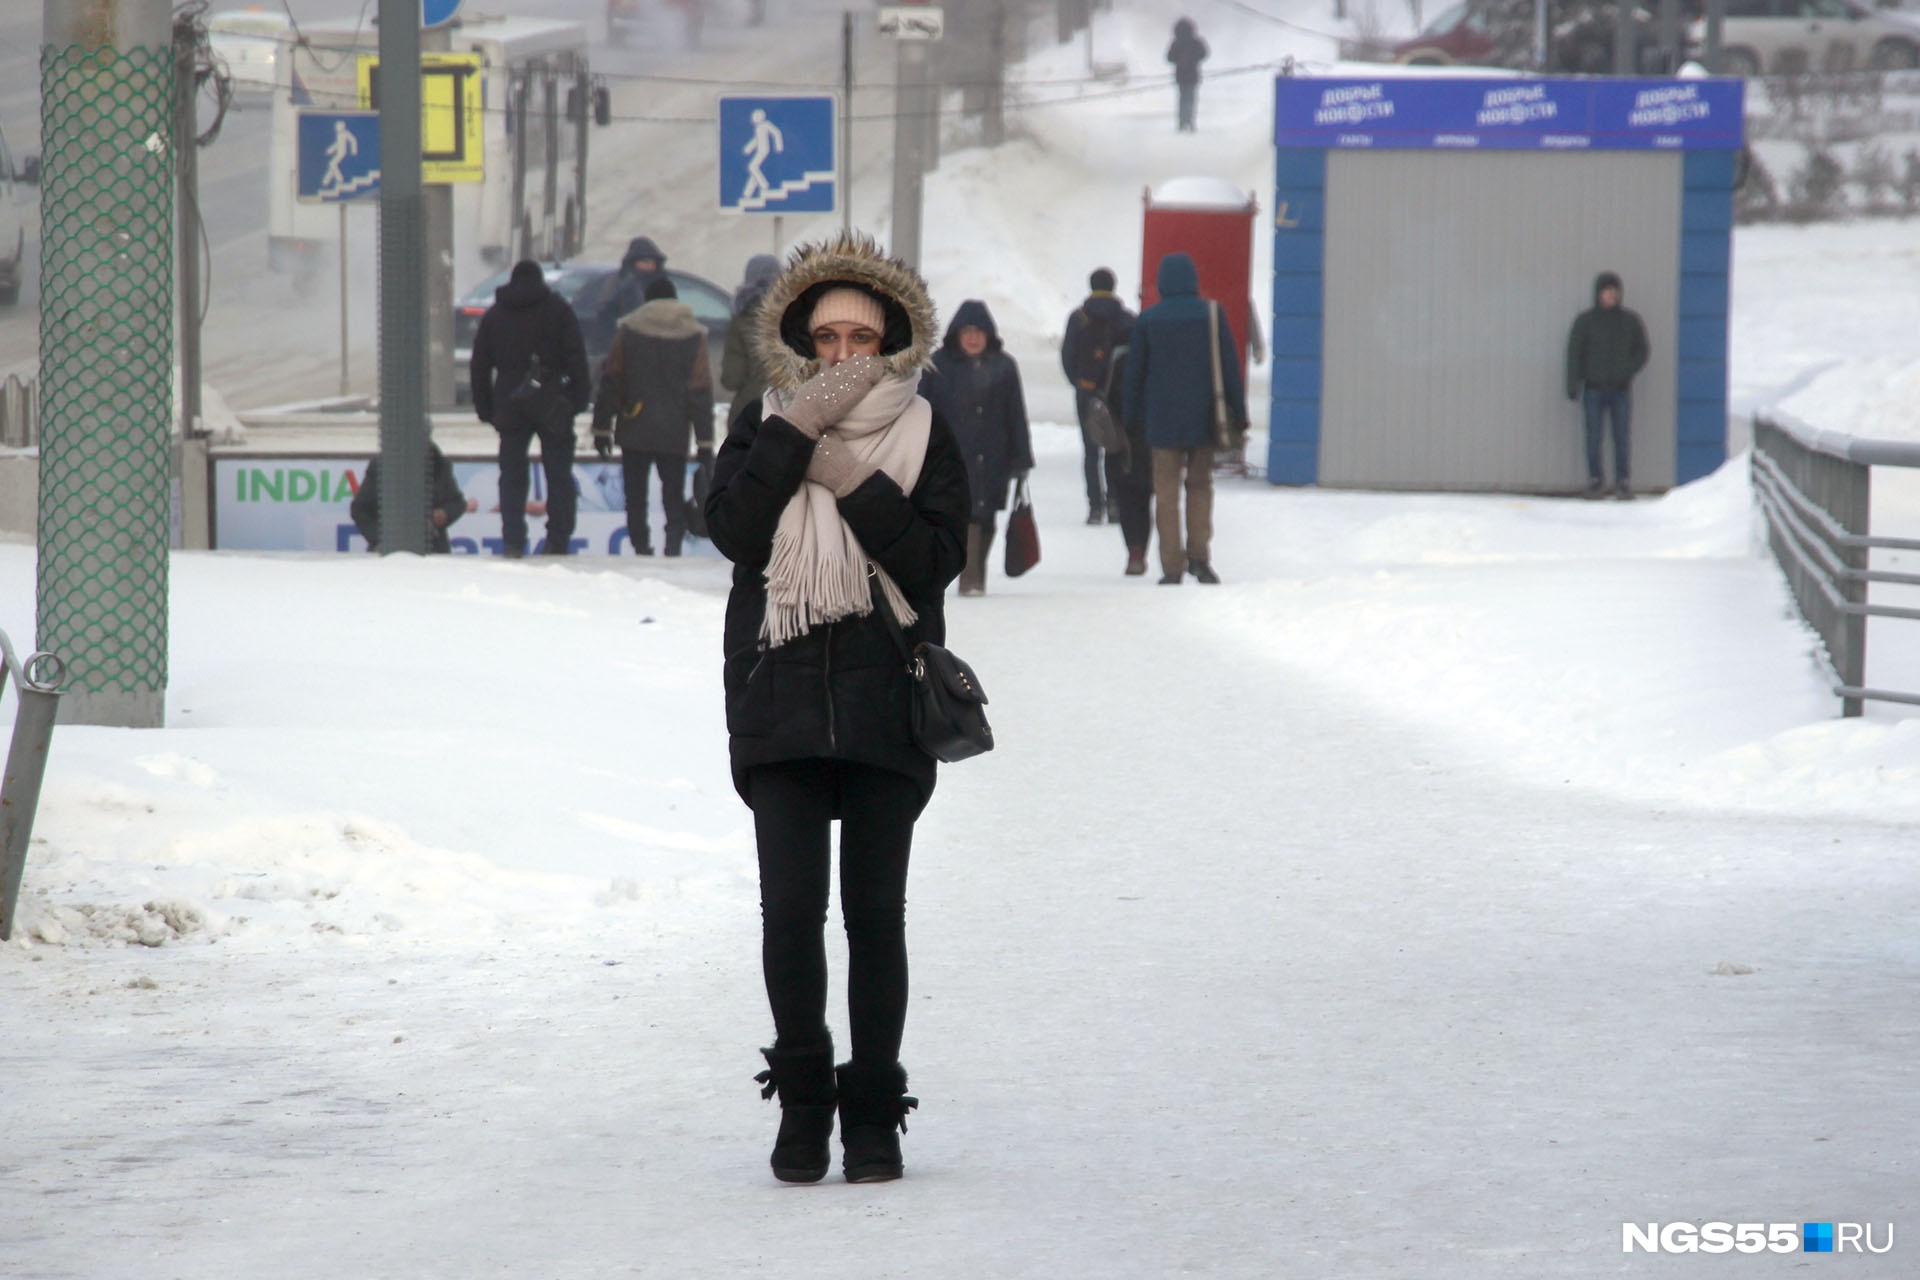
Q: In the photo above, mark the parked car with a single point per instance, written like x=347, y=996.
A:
x=19, y=176
x=249, y=43
x=587, y=286
x=1499, y=33
x=1788, y=36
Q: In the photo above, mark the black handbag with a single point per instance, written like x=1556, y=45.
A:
x=949, y=706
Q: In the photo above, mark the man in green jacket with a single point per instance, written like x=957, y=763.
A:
x=1607, y=347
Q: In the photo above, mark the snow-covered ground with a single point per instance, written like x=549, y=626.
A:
x=1466, y=877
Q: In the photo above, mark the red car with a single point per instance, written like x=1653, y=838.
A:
x=1458, y=35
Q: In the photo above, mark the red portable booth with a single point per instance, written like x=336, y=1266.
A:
x=1211, y=221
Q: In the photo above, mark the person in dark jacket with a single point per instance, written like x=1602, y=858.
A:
x=1186, y=53
x=741, y=372
x=529, y=378
x=445, y=502
x=1605, y=350
x=976, y=386
x=639, y=266
x=655, y=387
x=1169, y=394
x=840, y=488
x=1097, y=328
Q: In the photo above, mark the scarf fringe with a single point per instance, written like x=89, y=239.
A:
x=807, y=590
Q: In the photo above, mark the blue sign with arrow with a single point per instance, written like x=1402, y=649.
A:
x=339, y=156
x=777, y=155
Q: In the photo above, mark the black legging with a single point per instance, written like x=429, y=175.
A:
x=793, y=808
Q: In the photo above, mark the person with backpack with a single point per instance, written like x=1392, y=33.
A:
x=529, y=378
x=1097, y=328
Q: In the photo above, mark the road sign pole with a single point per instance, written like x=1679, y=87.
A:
x=437, y=206
x=403, y=269
x=345, y=387
x=846, y=121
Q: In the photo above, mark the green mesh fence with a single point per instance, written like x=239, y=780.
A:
x=106, y=376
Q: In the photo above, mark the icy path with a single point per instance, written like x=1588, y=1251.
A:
x=1279, y=938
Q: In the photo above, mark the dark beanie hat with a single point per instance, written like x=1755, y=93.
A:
x=661, y=286
x=527, y=271
x=1101, y=281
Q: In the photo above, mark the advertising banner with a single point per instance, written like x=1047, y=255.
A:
x=303, y=504
x=1508, y=113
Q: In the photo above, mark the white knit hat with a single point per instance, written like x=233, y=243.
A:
x=855, y=305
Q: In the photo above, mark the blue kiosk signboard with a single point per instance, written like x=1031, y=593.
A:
x=1699, y=120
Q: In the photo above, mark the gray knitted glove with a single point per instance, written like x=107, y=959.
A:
x=835, y=466
x=828, y=395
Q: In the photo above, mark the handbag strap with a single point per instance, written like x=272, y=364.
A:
x=1213, y=349
x=885, y=610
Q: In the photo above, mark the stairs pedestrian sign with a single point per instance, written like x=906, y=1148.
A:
x=339, y=155
x=777, y=155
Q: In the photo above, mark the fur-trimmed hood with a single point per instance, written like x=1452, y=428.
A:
x=780, y=335
x=663, y=318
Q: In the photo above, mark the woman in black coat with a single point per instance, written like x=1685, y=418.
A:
x=839, y=488
x=976, y=386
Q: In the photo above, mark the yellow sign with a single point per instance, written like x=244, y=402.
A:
x=452, y=144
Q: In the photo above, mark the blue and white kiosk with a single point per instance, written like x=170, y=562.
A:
x=1434, y=239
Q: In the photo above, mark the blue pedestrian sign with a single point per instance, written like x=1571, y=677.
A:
x=777, y=155
x=339, y=156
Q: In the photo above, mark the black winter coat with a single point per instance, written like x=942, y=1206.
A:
x=1186, y=53
x=981, y=399
x=841, y=691
x=1607, y=346
x=527, y=320
x=443, y=495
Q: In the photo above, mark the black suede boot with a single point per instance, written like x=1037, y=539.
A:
x=873, y=1115
x=804, y=1080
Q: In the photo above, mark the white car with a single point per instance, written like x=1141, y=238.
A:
x=249, y=43
x=19, y=176
x=1788, y=36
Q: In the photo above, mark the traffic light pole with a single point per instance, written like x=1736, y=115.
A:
x=403, y=274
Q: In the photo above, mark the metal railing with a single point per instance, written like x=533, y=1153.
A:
x=37, y=683
x=1815, y=489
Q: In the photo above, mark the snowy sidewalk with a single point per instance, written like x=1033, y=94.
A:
x=1465, y=878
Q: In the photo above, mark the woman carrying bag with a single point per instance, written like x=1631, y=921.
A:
x=841, y=490
x=976, y=386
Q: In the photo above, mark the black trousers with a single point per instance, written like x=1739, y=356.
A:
x=1131, y=493
x=794, y=806
x=556, y=459
x=635, y=467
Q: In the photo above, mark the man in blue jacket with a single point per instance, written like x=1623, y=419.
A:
x=1170, y=391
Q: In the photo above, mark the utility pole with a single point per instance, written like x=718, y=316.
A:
x=909, y=148
x=437, y=201
x=1623, y=40
x=1715, y=52
x=403, y=272
x=106, y=354
x=189, y=453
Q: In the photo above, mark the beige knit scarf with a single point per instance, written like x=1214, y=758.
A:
x=818, y=573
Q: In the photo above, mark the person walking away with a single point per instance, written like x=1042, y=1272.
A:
x=1169, y=396
x=655, y=387
x=1129, y=472
x=528, y=379
x=1186, y=53
x=741, y=372
x=976, y=386
x=640, y=265
x=839, y=487
x=445, y=502
x=1606, y=348
x=1096, y=329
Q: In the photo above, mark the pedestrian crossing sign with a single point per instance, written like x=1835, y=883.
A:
x=778, y=154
